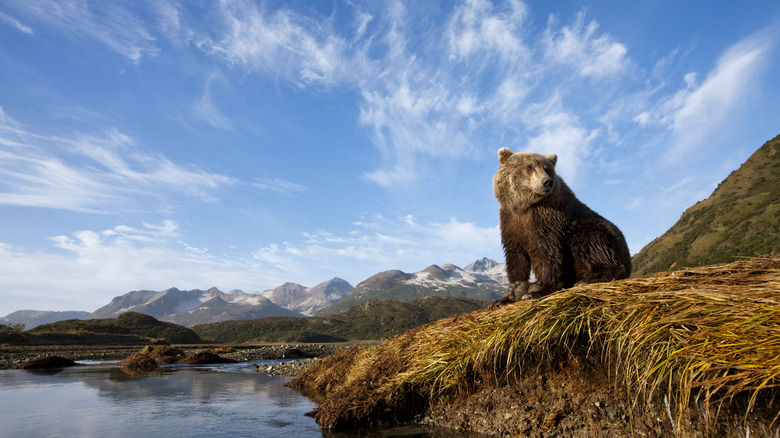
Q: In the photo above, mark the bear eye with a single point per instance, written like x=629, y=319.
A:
x=529, y=168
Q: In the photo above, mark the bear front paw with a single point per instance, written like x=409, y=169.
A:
x=534, y=292
x=514, y=292
x=517, y=289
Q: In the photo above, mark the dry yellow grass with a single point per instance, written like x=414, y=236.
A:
x=703, y=334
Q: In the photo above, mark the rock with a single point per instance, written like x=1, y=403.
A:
x=138, y=363
x=205, y=357
x=47, y=362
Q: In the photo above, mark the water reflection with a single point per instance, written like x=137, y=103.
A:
x=209, y=401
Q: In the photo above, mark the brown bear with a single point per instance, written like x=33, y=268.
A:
x=545, y=228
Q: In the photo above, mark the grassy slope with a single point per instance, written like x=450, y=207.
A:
x=740, y=219
x=698, y=336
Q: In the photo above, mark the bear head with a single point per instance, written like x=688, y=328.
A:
x=524, y=179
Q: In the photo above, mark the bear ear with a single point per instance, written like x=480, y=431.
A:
x=503, y=154
x=552, y=157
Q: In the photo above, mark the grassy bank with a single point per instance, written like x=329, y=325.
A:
x=702, y=337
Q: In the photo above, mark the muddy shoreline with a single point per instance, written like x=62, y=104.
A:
x=12, y=357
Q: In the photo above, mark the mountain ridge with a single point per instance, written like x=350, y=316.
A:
x=740, y=219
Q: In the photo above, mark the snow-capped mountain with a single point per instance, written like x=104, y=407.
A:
x=235, y=307
x=484, y=280
x=193, y=307
x=308, y=301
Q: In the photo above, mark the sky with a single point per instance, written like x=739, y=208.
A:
x=242, y=145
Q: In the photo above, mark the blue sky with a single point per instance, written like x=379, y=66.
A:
x=151, y=144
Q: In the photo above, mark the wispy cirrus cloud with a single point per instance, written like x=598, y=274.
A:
x=95, y=173
x=699, y=109
x=13, y=22
x=278, y=185
x=427, y=97
x=117, y=26
x=303, y=49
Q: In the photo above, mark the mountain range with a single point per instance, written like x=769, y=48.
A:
x=192, y=307
x=482, y=280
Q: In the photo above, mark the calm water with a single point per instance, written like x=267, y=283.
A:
x=195, y=401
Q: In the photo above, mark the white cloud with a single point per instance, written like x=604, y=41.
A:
x=477, y=28
x=90, y=173
x=302, y=49
x=699, y=111
x=580, y=46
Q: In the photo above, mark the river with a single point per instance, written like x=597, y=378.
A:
x=193, y=401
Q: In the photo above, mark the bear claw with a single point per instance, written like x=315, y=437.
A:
x=517, y=290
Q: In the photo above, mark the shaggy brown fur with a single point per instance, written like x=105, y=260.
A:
x=545, y=228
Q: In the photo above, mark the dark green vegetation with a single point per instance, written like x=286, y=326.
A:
x=740, y=219
x=130, y=328
x=12, y=334
x=374, y=319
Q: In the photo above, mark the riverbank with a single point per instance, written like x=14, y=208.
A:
x=688, y=353
x=11, y=357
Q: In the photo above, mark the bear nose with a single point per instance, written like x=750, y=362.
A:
x=547, y=183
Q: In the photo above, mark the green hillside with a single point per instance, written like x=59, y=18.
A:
x=740, y=219
x=373, y=319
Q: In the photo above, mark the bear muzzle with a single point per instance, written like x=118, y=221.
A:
x=545, y=186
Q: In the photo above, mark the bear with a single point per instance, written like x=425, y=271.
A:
x=545, y=228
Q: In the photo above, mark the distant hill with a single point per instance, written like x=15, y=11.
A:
x=373, y=319
x=482, y=280
x=740, y=219
x=34, y=318
x=127, y=328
